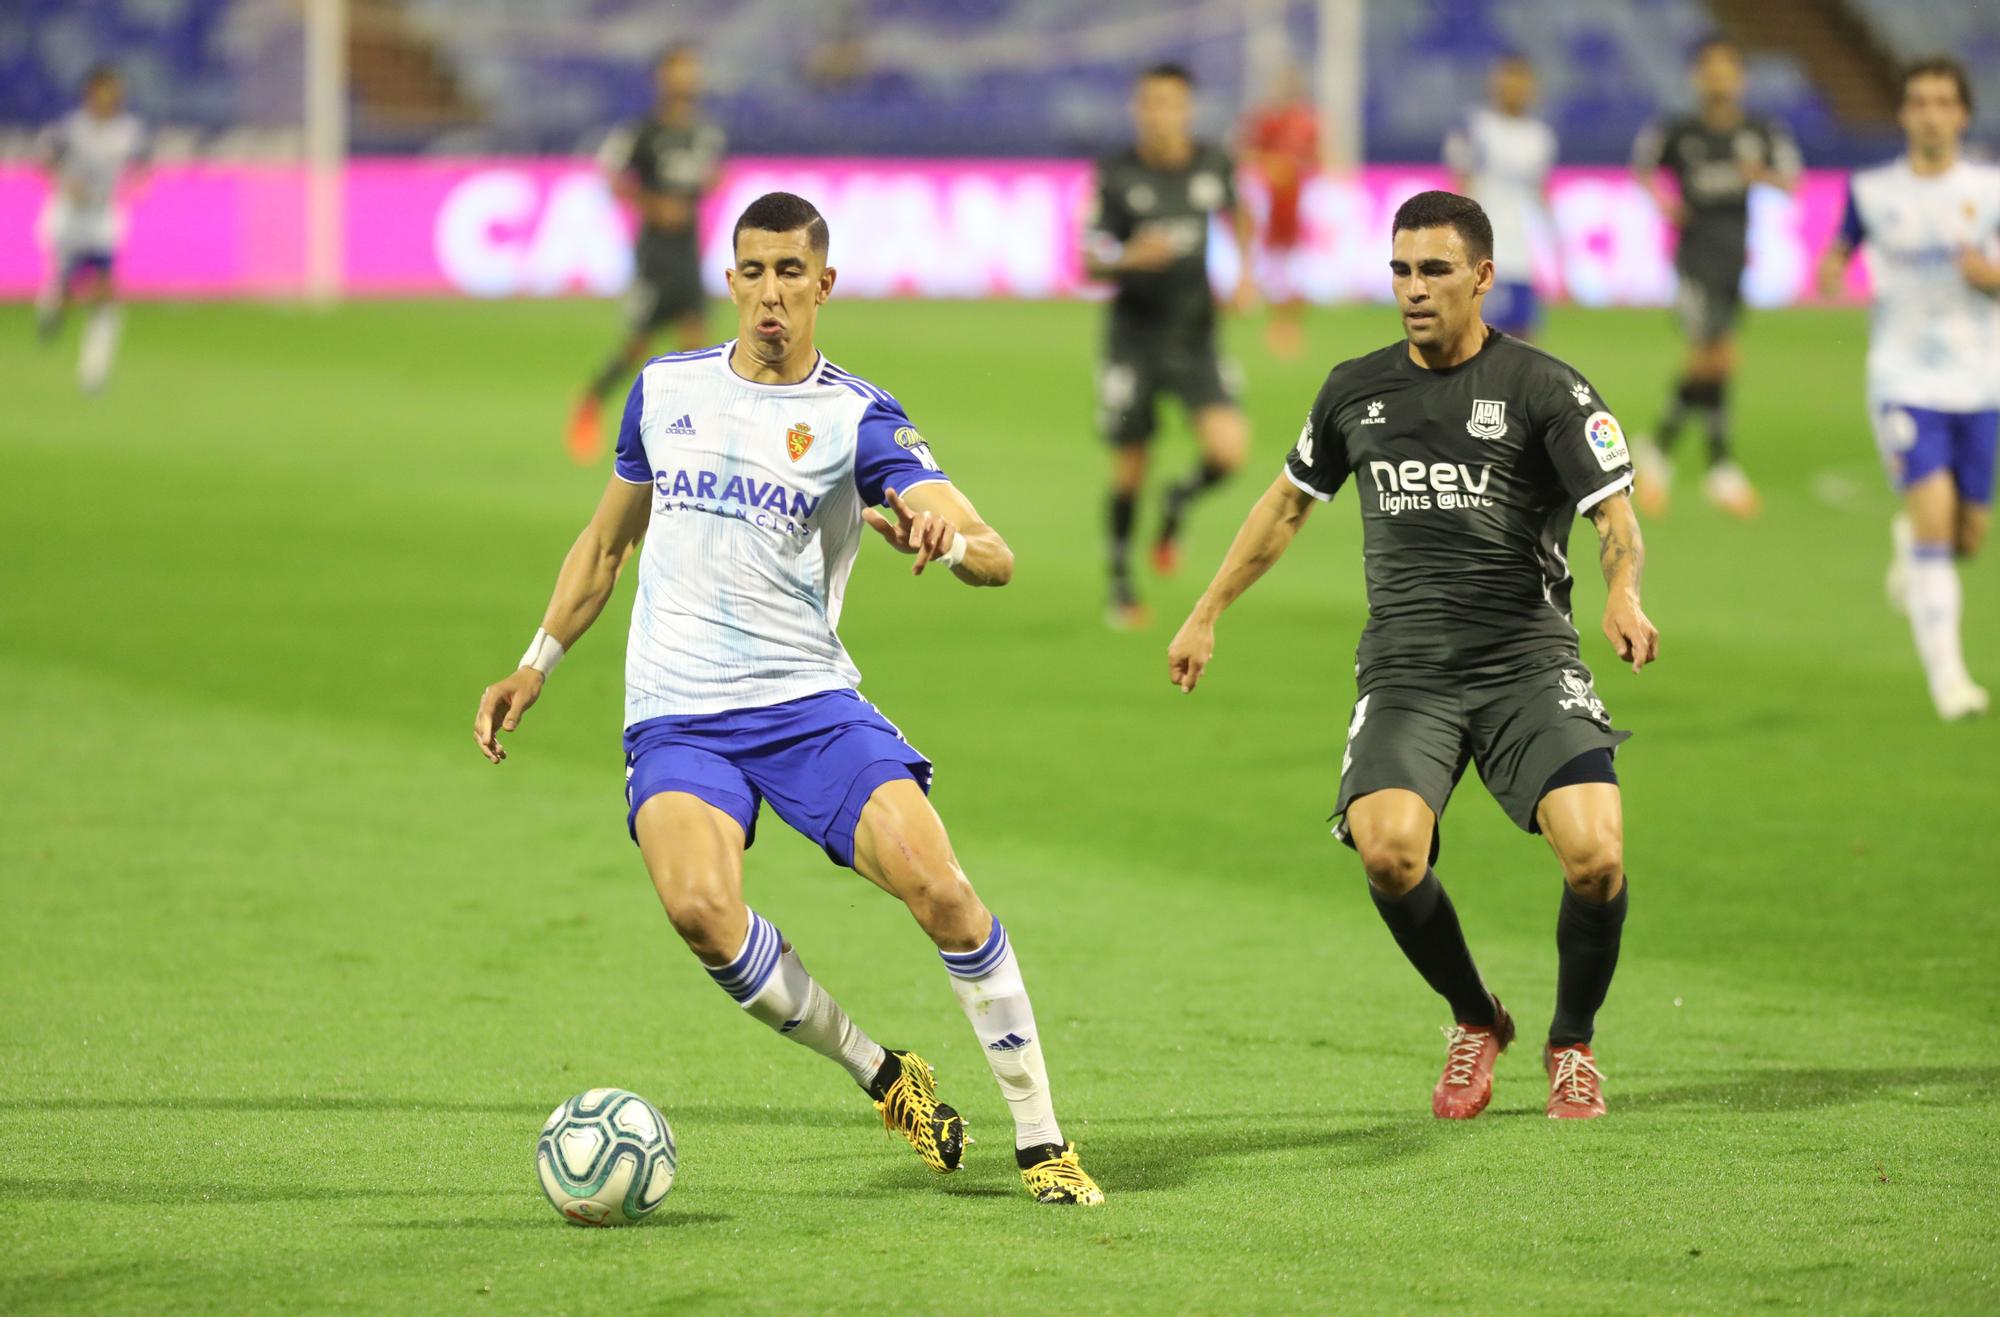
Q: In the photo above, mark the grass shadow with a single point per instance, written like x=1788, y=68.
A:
x=139, y=1193
x=1783, y=1088
x=664, y=1219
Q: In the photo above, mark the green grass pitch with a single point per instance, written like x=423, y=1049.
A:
x=291, y=976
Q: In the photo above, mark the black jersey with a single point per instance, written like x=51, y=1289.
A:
x=1708, y=164
x=1469, y=480
x=667, y=160
x=1133, y=196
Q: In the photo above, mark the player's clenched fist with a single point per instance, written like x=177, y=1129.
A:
x=1188, y=656
x=501, y=707
x=1631, y=633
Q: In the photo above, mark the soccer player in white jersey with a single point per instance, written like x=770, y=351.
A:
x=1500, y=154
x=87, y=154
x=1931, y=223
x=749, y=470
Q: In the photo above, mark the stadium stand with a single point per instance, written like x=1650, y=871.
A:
x=904, y=77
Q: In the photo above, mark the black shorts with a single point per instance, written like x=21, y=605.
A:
x=1709, y=301
x=1141, y=363
x=666, y=286
x=1418, y=731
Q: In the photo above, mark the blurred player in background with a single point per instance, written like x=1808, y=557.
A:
x=660, y=166
x=750, y=470
x=87, y=154
x=1500, y=155
x=1930, y=222
x=1148, y=235
x=1472, y=453
x=1281, y=143
x=1713, y=157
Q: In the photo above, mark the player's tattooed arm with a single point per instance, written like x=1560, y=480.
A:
x=1621, y=551
x=1267, y=532
x=583, y=586
x=927, y=521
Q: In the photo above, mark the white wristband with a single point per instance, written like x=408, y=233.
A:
x=955, y=555
x=543, y=654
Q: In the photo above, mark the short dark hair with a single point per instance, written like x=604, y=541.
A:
x=783, y=212
x=1168, y=68
x=1713, y=41
x=1939, y=66
x=1448, y=210
x=99, y=73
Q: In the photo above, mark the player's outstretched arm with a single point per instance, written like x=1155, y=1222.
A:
x=1266, y=533
x=589, y=572
x=1622, y=553
x=938, y=524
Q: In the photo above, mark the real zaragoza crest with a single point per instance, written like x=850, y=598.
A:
x=1489, y=419
x=798, y=439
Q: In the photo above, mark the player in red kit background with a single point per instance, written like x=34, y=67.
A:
x=1281, y=143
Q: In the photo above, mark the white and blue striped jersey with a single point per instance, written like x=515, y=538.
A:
x=1935, y=339
x=1506, y=160
x=757, y=498
x=87, y=156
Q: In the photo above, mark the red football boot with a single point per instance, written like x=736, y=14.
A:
x=585, y=438
x=1166, y=557
x=1470, y=1051
x=1574, y=1090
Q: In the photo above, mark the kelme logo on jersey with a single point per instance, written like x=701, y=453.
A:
x=798, y=439
x=1421, y=486
x=1606, y=440
x=1375, y=416
x=1489, y=419
x=1580, y=393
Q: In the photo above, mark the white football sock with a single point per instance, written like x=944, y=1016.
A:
x=100, y=347
x=768, y=980
x=1935, y=601
x=988, y=983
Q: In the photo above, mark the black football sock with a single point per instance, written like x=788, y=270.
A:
x=1425, y=926
x=1036, y=1155
x=615, y=371
x=1715, y=417
x=1124, y=511
x=890, y=1072
x=1587, y=937
x=1669, y=428
x=1197, y=482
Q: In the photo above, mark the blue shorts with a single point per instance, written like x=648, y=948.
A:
x=816, y=759
x=1918, y=442
x=1512, y=308
x=78, y=264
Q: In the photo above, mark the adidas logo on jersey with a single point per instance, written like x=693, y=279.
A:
x=685, y=425
x=1013, y=1042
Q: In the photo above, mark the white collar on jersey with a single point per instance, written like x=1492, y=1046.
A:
x=812, y=376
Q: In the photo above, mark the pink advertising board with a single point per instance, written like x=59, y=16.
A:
x=972, y=228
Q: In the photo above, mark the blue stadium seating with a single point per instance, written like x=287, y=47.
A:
x=1003, y=77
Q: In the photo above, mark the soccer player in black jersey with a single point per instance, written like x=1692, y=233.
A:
x=661, y=166
x=1713, y=156
x=1148, y=235
x=1471, y=453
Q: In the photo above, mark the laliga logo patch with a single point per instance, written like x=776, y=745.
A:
x=1489, y=419
x=1606, y=440
x=798, y=439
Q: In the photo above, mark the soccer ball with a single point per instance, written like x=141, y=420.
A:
x=606, y=1158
